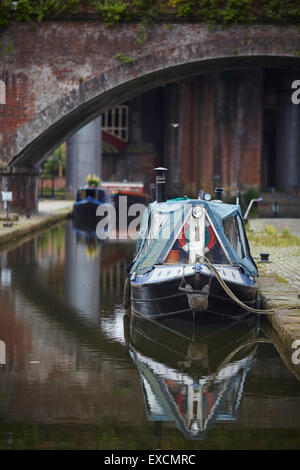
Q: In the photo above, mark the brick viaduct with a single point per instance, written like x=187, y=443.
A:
x=60, y=75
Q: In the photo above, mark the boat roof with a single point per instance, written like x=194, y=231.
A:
x=152, y=249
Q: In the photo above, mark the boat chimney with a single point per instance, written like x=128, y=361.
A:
x=219, y=192
x=160, y=184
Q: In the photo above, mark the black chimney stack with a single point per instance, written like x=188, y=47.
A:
x=219, y=192
x=160, y=184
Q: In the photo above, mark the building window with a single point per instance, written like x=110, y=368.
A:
x=115, y=122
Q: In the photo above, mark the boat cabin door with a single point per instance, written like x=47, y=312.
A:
x=196, y=233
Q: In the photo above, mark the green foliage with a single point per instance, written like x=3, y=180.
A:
x=51, y=164
x=8, y=49
x=278, y=11
x=251, y=193
x=34, y=10
x=5, y=13
x=184, y=7
x=120, y=11
x=50, y=167
x=145, y=10
x=142, y=34
x=124, y=58
x=112, y=12
x=209, y=11
x=231, y=12
x=247, y=196
x=270, y=236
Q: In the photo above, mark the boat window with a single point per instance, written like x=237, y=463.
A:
x=90, y=193
x=81, y=194
x=210, y=246
x=155, y=223
x=101, y=195
x=235, y=234
x=179, y=253
x=213, y=249
x=243, y=237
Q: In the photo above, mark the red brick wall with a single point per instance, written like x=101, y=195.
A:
x=221, y=118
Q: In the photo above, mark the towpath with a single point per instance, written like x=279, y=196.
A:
x=279, y=284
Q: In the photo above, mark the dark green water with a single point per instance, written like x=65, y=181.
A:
x=80, y=375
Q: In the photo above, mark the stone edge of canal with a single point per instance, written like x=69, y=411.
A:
x=283, y=326
x=35, y=224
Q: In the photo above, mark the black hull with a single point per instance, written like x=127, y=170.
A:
x=85, y=213
x=85, y=224
x=165, y=299
x=86, y=210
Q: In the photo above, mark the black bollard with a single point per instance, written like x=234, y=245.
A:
x=161, y=184
x=264, y=258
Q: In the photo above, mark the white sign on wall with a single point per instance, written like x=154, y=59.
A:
x=6, y=195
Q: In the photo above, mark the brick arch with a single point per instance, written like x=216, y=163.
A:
x=56, y=87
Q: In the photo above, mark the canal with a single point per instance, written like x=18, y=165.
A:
x=78, y=373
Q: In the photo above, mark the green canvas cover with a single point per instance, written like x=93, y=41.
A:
x=162, y=223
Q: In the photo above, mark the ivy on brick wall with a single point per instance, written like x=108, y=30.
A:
x=35, y=10
x=111, y=12
x=209, y=11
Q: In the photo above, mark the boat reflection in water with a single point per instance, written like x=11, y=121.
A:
x=192, y=374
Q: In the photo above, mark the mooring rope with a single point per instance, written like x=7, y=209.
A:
x=236, y=299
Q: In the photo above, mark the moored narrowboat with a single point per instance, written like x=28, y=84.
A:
x=191, y=255
x=123, y=196
x=88, y=199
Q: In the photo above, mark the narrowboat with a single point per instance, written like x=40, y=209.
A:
x=87, y=201
x=191, y=255
x=121, y=195
x=125, y=195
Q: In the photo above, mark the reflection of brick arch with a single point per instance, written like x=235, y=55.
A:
x=2, y=352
